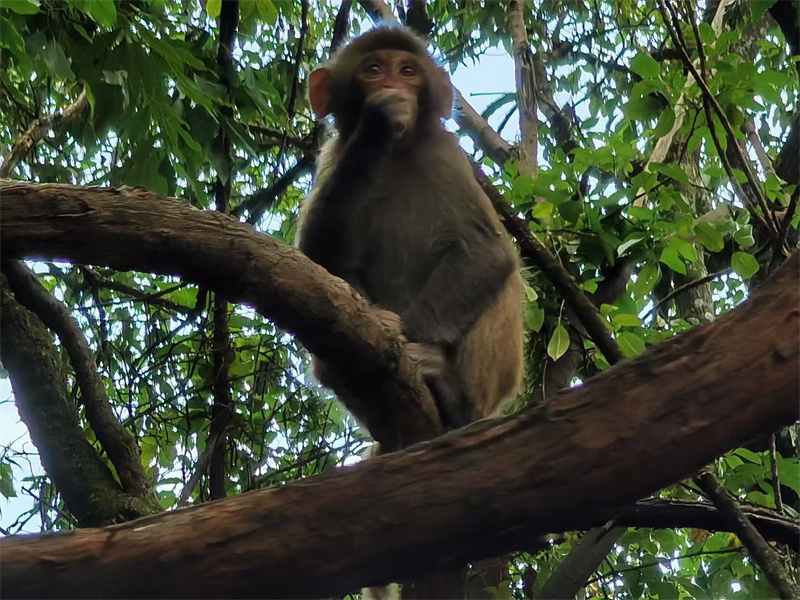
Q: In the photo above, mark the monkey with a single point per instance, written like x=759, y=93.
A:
x=397, y=213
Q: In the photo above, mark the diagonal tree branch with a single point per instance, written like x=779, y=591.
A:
x=630, y=431
x=117, y=442
x=762, y=553
x=132, y=228
x=89, y=489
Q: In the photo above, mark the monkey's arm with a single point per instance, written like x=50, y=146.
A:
x=343, y=174
x=472, y=269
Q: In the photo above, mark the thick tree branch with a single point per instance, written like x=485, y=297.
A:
x=40, y=389
x=117, y=442
x=132, y=228
x=630, y=431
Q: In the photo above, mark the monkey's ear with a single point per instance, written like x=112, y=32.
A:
x=319, y=91
x=442, y=93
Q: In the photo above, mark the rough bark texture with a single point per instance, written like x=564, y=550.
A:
x=471, y=494
x=40, y=389
x=115, y=439
x=132, y=228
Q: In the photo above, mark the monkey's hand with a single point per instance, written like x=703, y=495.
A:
x=391, y=321
x=396, y=107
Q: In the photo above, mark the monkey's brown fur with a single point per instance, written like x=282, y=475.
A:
x=397, y=213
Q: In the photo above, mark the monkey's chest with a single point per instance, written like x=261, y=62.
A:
x=399, y=239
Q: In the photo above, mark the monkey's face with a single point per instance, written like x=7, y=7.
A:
x=392, y=81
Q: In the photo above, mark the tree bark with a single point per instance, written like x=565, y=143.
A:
x=132, y=228
x=84, y=480
x=474, y=493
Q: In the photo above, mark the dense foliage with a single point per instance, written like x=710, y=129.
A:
x=166, y=114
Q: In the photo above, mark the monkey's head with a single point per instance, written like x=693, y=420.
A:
x=387, y=68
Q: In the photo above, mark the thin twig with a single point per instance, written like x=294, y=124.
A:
x=685, y=288
x=777, y=252
x=776, y=479
x=709, y=103
x=766, y=557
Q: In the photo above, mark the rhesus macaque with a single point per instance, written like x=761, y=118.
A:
x=397, y=213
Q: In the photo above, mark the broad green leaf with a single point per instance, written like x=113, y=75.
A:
x=642, y=108
x=56, y=61
x=745, y=265
x=709, y=236
x=626, y=320
x=646, y=280
x=268, y=11
x=685, y=248
x=533, y=316
x=744, y=236
x=672, y=170
x=669, y=256
x=7, y=481
x=559, y=343
x=542, y=210
x=759, y=7
x=646, y=66
x=9, y=37
x=21, y=7
x=213, y=8
x=665, y=123
x=632, y=240
x=530, y=293
x=630, y=343
x=103, y=12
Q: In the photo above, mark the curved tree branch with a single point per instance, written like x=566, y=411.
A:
x=635, y=428
x=132, y=228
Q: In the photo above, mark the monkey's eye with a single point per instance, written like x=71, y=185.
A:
x=408, y=71
x=372, y=70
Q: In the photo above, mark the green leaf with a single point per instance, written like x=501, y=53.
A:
x=213, y=8
x=671, y=170
x=744, y=236
x=267, y=10
x=759, y=7
x=646, y=66
x=632, y=240
x=533, y=316
x=745, y=265
x=542, y=210
x=630, y=343
x=21, y=7
x=646, y=280
x=708, y=236
x=9, y=37
x=559, y=343
x=56, y=61
x=7, y=481
x=643, y=108
x=669, y=256
x=685, y=248
x=103, y=12
x=626, y=320
x=665, y=123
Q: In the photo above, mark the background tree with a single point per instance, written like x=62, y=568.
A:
x=657, y=161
